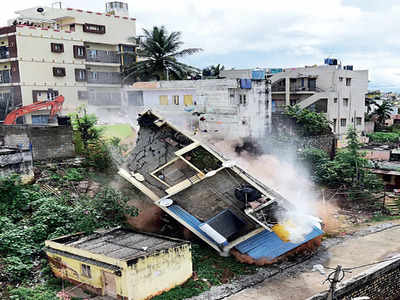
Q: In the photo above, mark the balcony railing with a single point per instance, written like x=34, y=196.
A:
x=104, y=78
x=111, y=57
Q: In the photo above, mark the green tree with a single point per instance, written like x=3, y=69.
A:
x=349, y=170
x=213, y=71
x=159, y=52
x=309, y=123
x=383, y=112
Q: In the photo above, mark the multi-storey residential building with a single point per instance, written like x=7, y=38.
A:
x=46, y=52
x=332, y=89
x=225, y=107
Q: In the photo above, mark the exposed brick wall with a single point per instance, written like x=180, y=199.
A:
x=48, y=142
x=380, y=282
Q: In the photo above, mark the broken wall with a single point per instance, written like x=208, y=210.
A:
x=380, y=282
x=13, y=161
x=46, y=142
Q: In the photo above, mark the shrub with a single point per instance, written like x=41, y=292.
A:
x=384, y=137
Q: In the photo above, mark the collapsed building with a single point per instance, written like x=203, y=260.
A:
x=211, y=196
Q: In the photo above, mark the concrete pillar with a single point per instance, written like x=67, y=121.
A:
x=287, y=91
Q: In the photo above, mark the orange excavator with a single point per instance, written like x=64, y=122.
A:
x=56, y=106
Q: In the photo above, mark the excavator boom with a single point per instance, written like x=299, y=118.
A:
x=56, y=106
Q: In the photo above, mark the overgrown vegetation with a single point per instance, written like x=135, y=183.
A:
x=29, y=216
x=210, y=269
x=349, y=170
x=91, y=143
x=384, y=137
x=309, y=123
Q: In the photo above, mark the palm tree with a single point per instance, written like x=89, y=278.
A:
x=213, y=71
x=159, y=52
x=383, y=112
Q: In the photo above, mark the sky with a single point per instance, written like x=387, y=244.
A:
x=272, y=33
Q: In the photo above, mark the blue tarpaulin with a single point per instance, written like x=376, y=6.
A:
x=245, y=83
x=268, y=245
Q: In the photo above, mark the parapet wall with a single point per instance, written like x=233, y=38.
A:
x=46, y=142
x=380, y=282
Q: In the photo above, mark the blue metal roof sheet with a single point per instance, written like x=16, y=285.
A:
x=268, y=245
x=191, y=220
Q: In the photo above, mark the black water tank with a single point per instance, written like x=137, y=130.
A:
x=64, y=120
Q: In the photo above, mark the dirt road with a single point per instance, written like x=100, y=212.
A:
x=352, y=252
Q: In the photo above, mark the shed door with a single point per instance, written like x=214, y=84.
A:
x=109, y=285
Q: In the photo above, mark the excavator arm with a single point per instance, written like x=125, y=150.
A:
x=56, y=106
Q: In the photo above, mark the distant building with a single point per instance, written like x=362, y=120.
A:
x=337, y=91
x=220, y=106
x=46, y=52
x=121, y=263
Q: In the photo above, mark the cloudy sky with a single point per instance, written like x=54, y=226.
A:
x=266, y=33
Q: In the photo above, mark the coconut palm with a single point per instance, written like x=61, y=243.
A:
x=383, y=112
x=213, y=71
x=158, y=57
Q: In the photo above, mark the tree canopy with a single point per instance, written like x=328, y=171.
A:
x=158, y=55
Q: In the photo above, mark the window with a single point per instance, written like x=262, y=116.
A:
x=358, y=121
x=59, y=72
x=348, y=81
x=79, y=51
x=176, y=100
x=334, y=100
x=93, y=28
x=93, y=75
x=242, y=99
x=334, y=125
x=72, y=27
x=80, y=75
x=57, y=48
x=40, y=119
x=343, y=122
x=188, y=100
x=340, y=79
x=346, y=102
x=83, y=95
x=85, y=270
x=163, y=100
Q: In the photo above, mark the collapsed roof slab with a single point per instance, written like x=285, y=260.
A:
x=212, y=197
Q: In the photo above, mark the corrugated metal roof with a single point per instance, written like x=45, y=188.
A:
x=191, y=220
x=268, y=245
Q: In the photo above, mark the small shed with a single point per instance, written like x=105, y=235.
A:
x=121, y=263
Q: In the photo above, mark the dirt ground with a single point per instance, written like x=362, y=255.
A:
x=354, y=251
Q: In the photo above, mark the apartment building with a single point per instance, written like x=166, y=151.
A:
x=337, y=91
x=49, y=51
x=223, y=107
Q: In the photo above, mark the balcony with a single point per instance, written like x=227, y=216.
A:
x=102, y=56
x=104, y=77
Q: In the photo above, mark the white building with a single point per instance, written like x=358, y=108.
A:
x=337, y=91
x=218, y=106
x=46, y=52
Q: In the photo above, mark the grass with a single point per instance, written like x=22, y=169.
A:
x=121, y=131
x=380, y=218
x=210, y=269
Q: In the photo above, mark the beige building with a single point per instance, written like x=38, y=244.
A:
x=121, y=263
x=63, y=51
